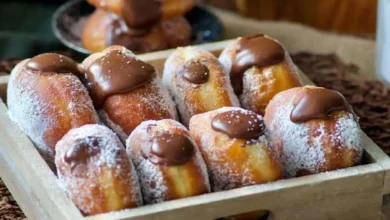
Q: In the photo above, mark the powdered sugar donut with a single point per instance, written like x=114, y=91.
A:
x=46, y=98
x=315, y=130
x=95, y=172
x=236, y=148
x=259, y=68
x=197, y=82
x=167, y=160
x=126, y=91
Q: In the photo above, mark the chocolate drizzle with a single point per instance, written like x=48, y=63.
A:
x=239, y=124
x=82, y=152
x=169, y=149
x=116, y=72
x=255, y=50
x=195, y=72
x=141, y=14
x=317, y=104
x=53, y=63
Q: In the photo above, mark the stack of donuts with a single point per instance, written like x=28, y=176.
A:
x=139, y=25
x=120, y=137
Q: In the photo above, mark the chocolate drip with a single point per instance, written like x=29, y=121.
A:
x=116, y=73
x=318, y=104
x=82, y=152
x=120, y=34
x=169, y=149
x=142, y=14
x=195, y=72
x=256, y=50
x=239, y=124
x=54, y=63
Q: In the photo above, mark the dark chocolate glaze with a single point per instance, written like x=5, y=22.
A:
x=116, y=73
x=195, y=72
x=317, y=104
x=170, y=149
x=53, y=63
x=120, y=34
x=141, y=14
x=82, y=152
x=239, y=124
x=255, y=50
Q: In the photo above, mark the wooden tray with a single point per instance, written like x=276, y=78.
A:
x=353, y=193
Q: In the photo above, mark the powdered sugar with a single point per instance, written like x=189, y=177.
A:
x=349, y=132
x=116, y=128
x=194, y=98
x=86, y=183
x=303, y=145
x=154, y=179
x=297, y=152
x=166, y=100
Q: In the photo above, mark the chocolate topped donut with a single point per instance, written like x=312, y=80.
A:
x=116, y=72
x=259, y=68
x=255, y=50
x=167, y=161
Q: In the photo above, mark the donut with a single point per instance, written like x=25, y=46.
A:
x=144, y=14
x=236, y=148
x=95, y=172
x=259, y=68
x=315, y=130
x=125, y=90
x=47, y=99
x=103, y=29
x=197, y=82
x=167, y=161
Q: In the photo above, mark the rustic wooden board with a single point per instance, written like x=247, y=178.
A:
x=353, y=193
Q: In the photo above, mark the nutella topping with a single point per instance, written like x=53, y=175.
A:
x=239, y=124
x=317, y=104
x=169, y=149
x=81, y=153
x=51, y=62
x=120, y=34
x=195, y=72
x=141, y=14
x=116, y=73
x=255, y=50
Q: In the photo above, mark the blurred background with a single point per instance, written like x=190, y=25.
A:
x=25, y=25
x=356, y=17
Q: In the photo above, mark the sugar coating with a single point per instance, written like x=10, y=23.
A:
x=349, y=132
x=159, y=100
x=254, y=83
x=215, y=145
x=167, y=102
x=29, y=109
x=179, y=87
x=302, y=146
x=150, y=174
x=115, y=127
x=83, y=184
